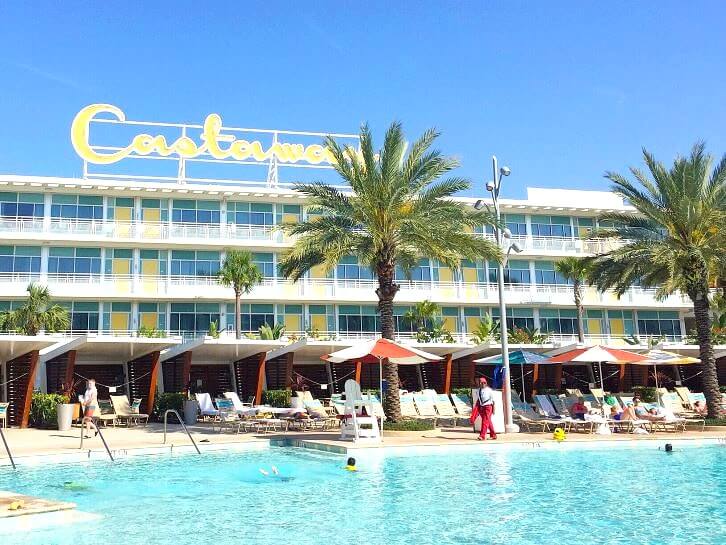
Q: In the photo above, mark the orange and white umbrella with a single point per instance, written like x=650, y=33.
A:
x=598, y=354
x=377, y=350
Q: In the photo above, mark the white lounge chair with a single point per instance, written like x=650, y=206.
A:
x=4, y=413
x=355, y=424
x=425, y=406
x=206, y=408
x=462, y=405
x=238, y=405
x=445, y=408
x=227, y=416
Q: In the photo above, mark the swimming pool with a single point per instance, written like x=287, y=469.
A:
x=536, y=496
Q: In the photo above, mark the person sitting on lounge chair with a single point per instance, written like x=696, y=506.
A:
x=647, y=414
x=615, y=414
x=578, y=409
x=629, y=413
x=700, y=408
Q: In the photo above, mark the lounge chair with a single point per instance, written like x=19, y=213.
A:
x=671, y=402
x=124, y=411
x=376, y=405
x=562, y=405
x=319, y=417
x=684, y=393
x=462, y=404
x=227, y=416
x=425, y=406
x=408, y=407
x=238, y=405
x=4, y=413
x=445, y=408
x=106, y=414
x=526, y=415
x=206, y=408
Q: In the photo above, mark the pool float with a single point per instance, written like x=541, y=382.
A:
x=559, y=435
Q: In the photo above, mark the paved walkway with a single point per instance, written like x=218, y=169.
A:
x=30, y=442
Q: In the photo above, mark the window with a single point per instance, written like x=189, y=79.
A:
x=265, y=263
x=28, y=205
x=253, y=316
x=421, y=272
x=191, y=211
x=621, y=323
x=74, y=261
x=321, y=318
x=82, y=207
x=191, y=263
x=19, y=259
x=516, y=223
x=516, y=272
x=517, y=317
x=560, y=321
x=473, y=316
x=289, y=213
x=250, y=213
x=594, y=322
x=83, y=315
x=544, y=273
x=153, y=262
x=584, y=226
x=193, y=317
x=154, y=210
x=291, y=316
x=119, y=261
x=401, y=323
x=120, y=209
x=350, y=269
x=116, y=316
x=357, y=318
x=473, y=271
x=152, y=315
x=551, y=226
x=659, y=323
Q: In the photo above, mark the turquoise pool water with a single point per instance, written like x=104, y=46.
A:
x=538, y=496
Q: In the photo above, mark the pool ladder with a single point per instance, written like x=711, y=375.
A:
x=7, y=448
x=89, y=419
x=166, y=415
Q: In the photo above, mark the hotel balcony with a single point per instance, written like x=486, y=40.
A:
x=103, y=286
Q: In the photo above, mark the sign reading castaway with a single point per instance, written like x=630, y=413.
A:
x=209, y=142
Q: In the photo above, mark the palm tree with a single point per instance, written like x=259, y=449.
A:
x=575, y=269
x=675, y=243
x=399, y=212
x=36, y=314
x=239, y=272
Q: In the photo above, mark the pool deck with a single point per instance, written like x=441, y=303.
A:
x=33, y=445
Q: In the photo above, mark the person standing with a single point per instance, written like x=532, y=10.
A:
x=485, y=408
x=90, y=403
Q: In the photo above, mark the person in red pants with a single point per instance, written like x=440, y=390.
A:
x=485, y=408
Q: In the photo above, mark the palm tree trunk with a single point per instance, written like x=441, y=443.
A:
x=709, y=375
x=237, y=314
x=580, y=312
x=386, y=292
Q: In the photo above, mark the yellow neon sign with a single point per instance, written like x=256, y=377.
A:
x=213, y=143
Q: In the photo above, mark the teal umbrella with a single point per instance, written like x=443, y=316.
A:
x=517, y=357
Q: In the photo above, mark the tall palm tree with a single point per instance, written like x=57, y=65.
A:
x=575, y=269
x=676, y=243
x=239, y=272
x=399, y=212
x=36, y=314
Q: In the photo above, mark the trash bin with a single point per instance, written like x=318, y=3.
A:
x=191, y=409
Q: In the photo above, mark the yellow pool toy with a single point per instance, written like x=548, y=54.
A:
x=559, y=435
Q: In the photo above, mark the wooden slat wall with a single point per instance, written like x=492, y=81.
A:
x=216, y=379
x=462, y=373
x=434, y=375
x=408, y=377
x=276, y=373
x=18, y=371
x=316, y=375
x=245, y=372
x=55, y=373
x=142, y=380
x=342, y=372
x=173, y=370
x=110, y=374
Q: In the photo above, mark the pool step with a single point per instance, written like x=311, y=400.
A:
x=30, y=505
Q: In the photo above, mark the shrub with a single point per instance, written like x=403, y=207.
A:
x=409, y=425
x=461, y=391
x=716, y=421
x=44, y=409
x=168, y=400
x=277, y=398
x=647, y=393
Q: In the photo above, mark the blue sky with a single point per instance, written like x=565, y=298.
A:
x=560, y=91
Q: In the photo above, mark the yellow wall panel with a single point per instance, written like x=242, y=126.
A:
x=446, y=275
x=119, y=321
x=470, y=274
x=150, y=267
x=121, y=266
x=149, y=319
x=319, y=322
x=293, y=322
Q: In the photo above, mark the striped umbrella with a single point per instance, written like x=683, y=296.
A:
x=662, y=357
x=598, y=354
x=517, y=357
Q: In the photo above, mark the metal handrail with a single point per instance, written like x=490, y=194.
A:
x=7, y=448
x=166, y=414
x=98, y=431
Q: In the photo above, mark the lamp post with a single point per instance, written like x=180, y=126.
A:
x=503, y=238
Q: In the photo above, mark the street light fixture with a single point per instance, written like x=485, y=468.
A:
x=505, y=242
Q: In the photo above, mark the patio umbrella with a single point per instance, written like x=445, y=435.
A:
x=517, y=357
x=376, y=351
x=662, y=357
x=598, y=354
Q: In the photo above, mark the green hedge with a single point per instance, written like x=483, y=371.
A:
x=277, y=398
x=409, y=425
x=461, y=391
x=44, y=409
x=647, y=393
x=164, y=402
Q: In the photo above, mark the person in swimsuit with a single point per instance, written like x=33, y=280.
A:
x=90, y=404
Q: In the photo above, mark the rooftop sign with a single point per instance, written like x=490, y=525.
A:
x=205, y=145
